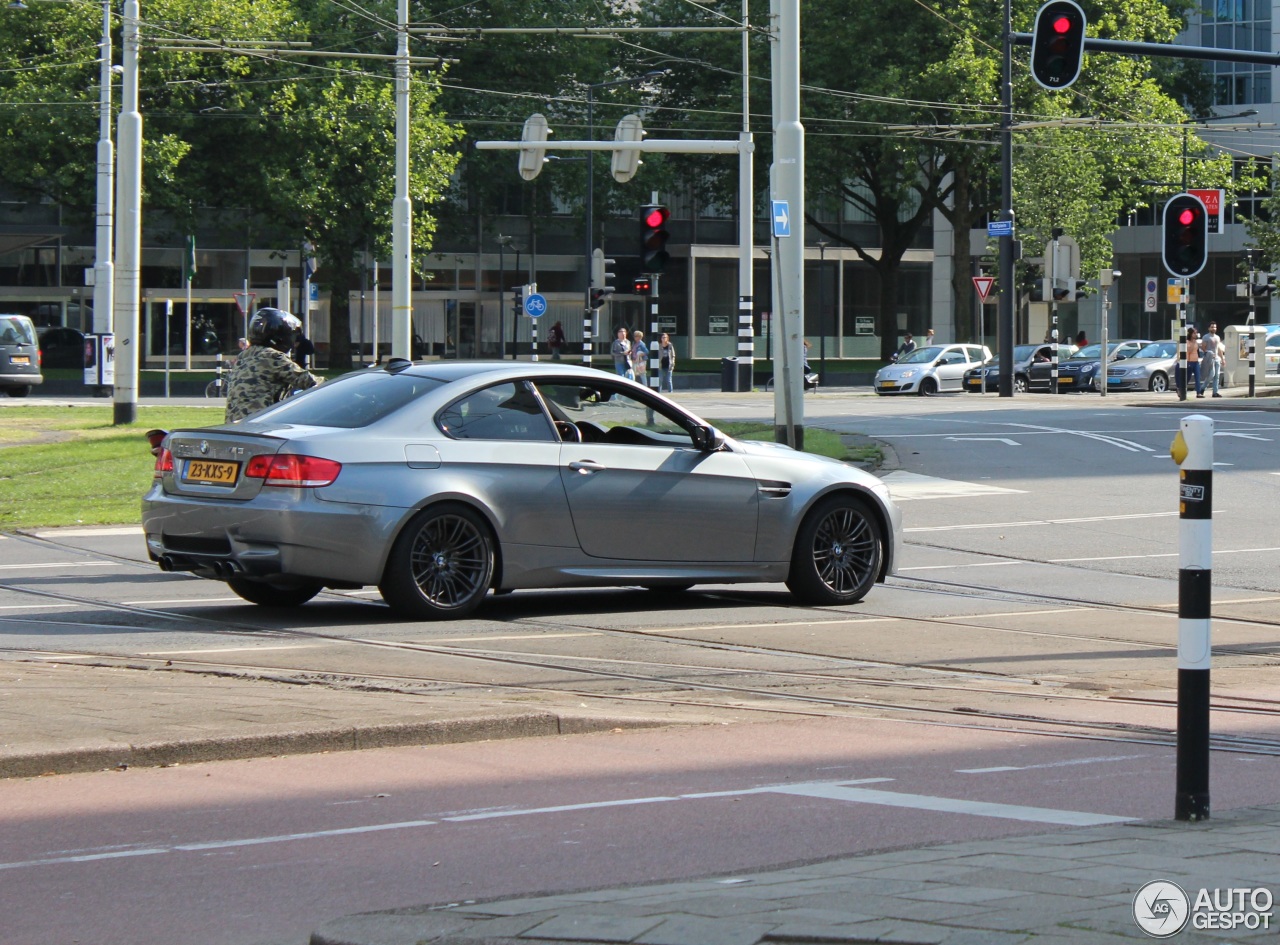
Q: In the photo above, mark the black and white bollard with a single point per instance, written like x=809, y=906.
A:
x=1192, y=450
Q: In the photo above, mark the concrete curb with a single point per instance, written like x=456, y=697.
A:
x=310, y=741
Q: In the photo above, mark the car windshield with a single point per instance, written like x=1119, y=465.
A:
x=353, y=400
x=15, y=331
x=921, y=355
x=1158, y=349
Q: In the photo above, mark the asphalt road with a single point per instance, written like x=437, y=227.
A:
x=1030, y=624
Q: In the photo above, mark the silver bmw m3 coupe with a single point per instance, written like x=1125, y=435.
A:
x=438, y=482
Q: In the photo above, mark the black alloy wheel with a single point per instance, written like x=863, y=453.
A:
x=442, y=564
x=838, y=553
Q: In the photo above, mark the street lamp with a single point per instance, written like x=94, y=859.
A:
x=822, y=317
x=591, y=102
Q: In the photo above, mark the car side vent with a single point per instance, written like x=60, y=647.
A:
x=775, y=490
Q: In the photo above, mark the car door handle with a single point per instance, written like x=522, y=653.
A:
x=586, y=466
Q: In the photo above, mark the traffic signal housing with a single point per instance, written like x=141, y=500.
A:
x=1072, y=291
x=653, y=238
x=599, y=296
x=517, y=300
x=1057, y=44
x=1186, y=236
x=642, y=285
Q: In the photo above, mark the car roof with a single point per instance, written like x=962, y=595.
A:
x=457, y=370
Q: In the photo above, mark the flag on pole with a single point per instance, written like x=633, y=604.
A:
x=189, y=260
x=308, y=259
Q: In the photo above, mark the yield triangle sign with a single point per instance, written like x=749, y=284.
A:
x=983, y=284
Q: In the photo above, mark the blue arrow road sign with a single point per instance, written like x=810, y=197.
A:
x=781, y=218
x=535, y=305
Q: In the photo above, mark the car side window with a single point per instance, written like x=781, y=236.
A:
x=502, y=412
x=604, y=413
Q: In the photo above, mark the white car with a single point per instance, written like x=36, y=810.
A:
x=930, y=370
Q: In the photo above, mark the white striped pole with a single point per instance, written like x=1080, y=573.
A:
x=1253, y=280
x=586, y=337
x=1192, y=450
x=1182, y=339
x=655, y=367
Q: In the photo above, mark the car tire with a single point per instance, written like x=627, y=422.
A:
x=266, y=594
x=1159, y=383
x=837, y=554
x=20, y=391
x=1020, y=383
x=441, y=565
x=928, y=387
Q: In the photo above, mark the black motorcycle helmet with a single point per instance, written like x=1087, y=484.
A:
x=274, y=328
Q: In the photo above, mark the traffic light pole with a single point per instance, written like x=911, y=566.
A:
x=1249, y=327
x=1182, y=338
x=1006, y=206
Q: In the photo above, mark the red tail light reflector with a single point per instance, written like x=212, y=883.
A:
x=164, y=464
x=302, y=472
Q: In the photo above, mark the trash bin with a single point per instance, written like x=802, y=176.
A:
x=729, y=375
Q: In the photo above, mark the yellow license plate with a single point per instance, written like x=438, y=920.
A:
x=208, y=472
x=1066, y=380
x=20, y=359
x=888, y=383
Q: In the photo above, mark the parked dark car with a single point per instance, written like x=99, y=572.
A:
x=1082, y=371
x=19, y=356
x=988, y=375
x=61, y=347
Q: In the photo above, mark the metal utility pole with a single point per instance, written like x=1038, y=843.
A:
x=746, y=218
x=788, y=192
x=1005, y=307
x=402, y=207
x=129, y=232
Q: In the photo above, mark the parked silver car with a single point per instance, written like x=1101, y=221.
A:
x=19, y=356
x=439, y=481
x=930, y=370
x=1151, y=368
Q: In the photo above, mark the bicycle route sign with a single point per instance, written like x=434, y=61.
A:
x=535, y=305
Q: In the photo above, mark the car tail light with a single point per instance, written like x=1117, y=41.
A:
x=306, y=472
x=164, y=464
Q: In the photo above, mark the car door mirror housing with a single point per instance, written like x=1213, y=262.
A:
x=707, y=438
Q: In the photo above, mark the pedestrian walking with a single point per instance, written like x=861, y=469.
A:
x=555, y=340
x=639, y=357
x=1212, y=351
x=621, y=351
x=1193, y=362
x=908, y=345
x=666, y=362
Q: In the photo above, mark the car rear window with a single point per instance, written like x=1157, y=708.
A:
x=16, y=330
x=351, y=401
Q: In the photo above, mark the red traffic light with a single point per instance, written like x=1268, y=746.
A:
x=1057, y=44
x=1185, y=240
x=642, y=285
x=653, y=238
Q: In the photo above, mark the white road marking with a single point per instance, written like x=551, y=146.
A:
x=1174, y=554
x=33, y=606
x=948, y=805
x=89, y=532
x=59, y=564
x=957, y=567
x=906, y=486
x=1042, y=521
x=1051, y=764
x=1017, y=613
x=1243, y=436
x=988, y=439
x=182, y=600
x=849, y=791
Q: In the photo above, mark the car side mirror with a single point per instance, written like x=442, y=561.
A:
x=707, y=438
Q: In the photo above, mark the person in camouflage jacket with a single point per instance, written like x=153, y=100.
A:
x=264, y=373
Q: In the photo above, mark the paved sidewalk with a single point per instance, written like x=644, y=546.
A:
x=57, y=718
x=1071, y=887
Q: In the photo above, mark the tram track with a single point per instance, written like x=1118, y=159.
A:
x=710, y=682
